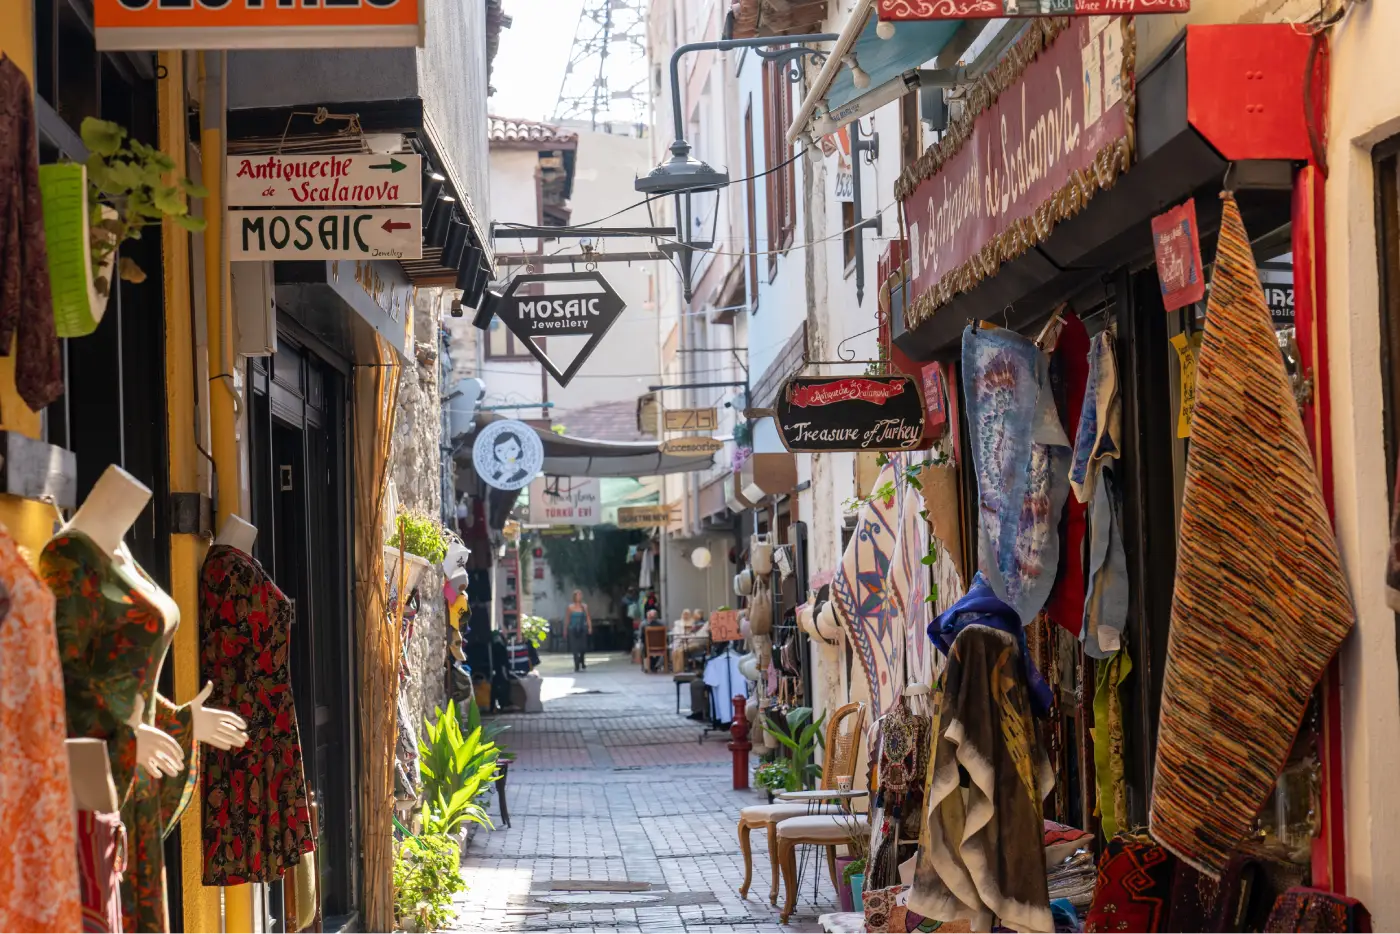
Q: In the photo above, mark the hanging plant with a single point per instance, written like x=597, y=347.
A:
x=131, y=181
x=598, y=564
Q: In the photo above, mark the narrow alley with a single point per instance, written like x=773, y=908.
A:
x=620, y=820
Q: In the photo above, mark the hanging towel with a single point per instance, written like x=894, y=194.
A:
x=1106, y=604
x=985, y=857
x=1100, y=421
x=1261, y=603
x=1021, y=455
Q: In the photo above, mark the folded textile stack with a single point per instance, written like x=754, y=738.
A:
x=1073, y=879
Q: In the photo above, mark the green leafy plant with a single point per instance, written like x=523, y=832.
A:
x=594, y=564
x=427, y=873
x=422, y=535
x=457, y=770
x=773, y=776
x=800, y=737
x=854, y=868
x=136, y=181
x=534, y=629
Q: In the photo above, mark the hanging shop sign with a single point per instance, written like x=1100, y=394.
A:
x=691, y=419
x=935, y=400
x=644, y=517
x=1055, y=126
x=566, y=501
x=324, y=179
x=691, y=444
x=992, y=9
x=648, y=409
x=141, y=25
x=1177, y=244
x=507, y=454
x=356, y=233
x=859, y=413
x=531, y=314
x=724, y=626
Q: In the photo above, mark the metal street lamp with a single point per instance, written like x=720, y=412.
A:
x=683, y=175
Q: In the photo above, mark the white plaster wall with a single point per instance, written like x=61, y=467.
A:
x=1365, y=109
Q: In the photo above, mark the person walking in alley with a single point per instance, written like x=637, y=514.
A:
x=580, y=628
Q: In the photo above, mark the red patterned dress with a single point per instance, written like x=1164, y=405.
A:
x=256, y=821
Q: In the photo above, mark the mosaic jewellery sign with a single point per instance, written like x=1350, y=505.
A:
x=1053, y=129
x=991, y=9
x=529, y=314
x=853, y=413
x=256, y=24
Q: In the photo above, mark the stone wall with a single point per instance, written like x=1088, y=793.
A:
x=416, y=464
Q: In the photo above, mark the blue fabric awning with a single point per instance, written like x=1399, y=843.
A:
x=835, y=101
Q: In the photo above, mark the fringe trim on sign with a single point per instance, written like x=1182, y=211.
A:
x=376, y=397
x=1112, y=159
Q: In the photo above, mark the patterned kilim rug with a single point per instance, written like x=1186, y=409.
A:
x=1261, y=603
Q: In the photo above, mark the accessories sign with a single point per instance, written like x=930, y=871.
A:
x=138, y=25
x=867, y=413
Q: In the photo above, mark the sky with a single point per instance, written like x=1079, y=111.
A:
x=534, y=50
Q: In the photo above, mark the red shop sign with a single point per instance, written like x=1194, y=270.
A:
x=1177, y=243
x=1055, y=131
x=988, y=9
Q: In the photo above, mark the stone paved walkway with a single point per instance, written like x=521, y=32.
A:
x=620, y=820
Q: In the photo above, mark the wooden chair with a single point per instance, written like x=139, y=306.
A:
x=843, y=732
x=654, y=646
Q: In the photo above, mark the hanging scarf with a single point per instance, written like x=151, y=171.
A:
x=909, y=578
x=1021, y=455
x=1070, y=373
x=1107, y=733
x=861, y=598
x=1261, y=603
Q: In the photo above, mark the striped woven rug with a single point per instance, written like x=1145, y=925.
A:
x=1261, y=603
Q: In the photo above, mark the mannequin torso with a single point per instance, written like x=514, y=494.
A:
x=237, y=533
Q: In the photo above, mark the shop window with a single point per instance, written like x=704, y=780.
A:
x=782, y=170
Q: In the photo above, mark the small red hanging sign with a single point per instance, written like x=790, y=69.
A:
x=1177, y=242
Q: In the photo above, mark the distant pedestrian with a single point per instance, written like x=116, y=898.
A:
x=580, y=628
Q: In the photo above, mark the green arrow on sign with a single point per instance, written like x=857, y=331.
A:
x=393, y=165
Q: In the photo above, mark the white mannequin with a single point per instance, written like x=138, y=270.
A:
x=90, y=771
x=104, y=517
x=237, y=533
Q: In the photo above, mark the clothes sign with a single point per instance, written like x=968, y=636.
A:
x=140, y=25
x=1177, y=243
x=862, y=413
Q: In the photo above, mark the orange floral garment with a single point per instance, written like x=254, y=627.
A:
x=38, y=873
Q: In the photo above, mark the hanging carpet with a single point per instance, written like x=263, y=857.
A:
x=1261, y=603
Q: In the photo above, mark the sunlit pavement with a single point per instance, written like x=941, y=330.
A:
x=621, y=820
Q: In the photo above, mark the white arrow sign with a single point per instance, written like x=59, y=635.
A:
x=348, y=233
x=324, y=179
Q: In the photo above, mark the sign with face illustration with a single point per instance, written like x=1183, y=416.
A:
x=507, y=454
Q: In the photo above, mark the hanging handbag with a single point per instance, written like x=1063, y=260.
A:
x=761, y=555
x=761, y=609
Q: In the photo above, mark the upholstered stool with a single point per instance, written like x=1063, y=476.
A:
x=825, y=830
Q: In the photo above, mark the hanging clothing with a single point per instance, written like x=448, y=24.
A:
x=985, y=856
x=1069, y=374
x=1107, y=732
x=38, y=884
x=1133, y=890
x=101, y=862
x=1100, y=420
x=113, y=639
x=1020, y=454
x=1308, y=909
x=725, y=681
x=1261, y=601
x=860, y=595
x=909, y=577
x=256, y=820
x=26, y=304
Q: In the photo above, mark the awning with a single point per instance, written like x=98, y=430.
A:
x=892, y=65
x=568, y=456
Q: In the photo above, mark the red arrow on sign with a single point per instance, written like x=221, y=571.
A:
x=391, y=226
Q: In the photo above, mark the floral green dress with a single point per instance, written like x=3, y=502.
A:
x=113, y=639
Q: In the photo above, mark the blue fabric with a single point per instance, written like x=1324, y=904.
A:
x=578, y=622
x=1066, y=917
x=982, y=607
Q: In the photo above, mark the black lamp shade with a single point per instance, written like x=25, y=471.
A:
x=435, y=231
x=455, y=243
x=468, y=265
x=432, y=187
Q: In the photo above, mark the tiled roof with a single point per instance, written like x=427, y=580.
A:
x=776, y=17
x=505, y=130
x=605, y=421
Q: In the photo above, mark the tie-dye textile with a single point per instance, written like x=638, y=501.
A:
x=1021, y=457
x=860, y=594
x=909, y=577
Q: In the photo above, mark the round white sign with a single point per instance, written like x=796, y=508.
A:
x=507, y=454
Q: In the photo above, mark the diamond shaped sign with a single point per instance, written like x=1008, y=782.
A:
x=574, y=314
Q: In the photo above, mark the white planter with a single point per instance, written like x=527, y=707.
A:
x=415, y=569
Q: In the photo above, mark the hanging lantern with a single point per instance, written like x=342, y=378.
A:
x=701, y=557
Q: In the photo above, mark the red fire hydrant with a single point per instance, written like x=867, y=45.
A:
x=740, y=745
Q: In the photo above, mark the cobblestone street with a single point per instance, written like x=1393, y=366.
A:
x=621, y=821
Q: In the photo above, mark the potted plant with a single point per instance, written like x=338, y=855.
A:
x=422, y=541
x=800, y=737
x=850, y=868
x=773, y=777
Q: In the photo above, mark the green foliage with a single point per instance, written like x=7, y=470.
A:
x=774, y=776
x=597, y=564
x=535, y=629
x=135, y=180
x=800, y=738
x=457, y=770
x=422, y=536
x=854, y=868
x=427, y=873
